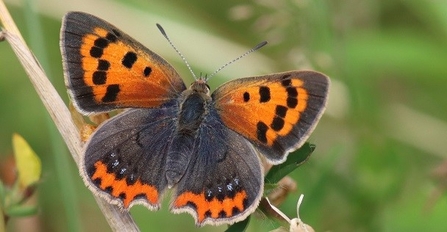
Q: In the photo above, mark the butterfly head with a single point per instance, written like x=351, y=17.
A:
x=200, y=86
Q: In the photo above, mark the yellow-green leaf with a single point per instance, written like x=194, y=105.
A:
x=28, y=163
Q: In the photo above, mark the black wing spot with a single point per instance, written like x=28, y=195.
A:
x=292, y=102
x=192, y=205
x=292, y=92
x=129, y=59
x=281, y=111
x=101, y=43
x=111, y=93
x=264, y=93
x=292, y=95
x=140, y=195
x=207, y=214
x=111, y=37
x=277, y=124
x=96, y=52
x=246, y=97
x=97, y=181
x=235, y=210
x=286, y=82
x=222, y=214
x=147, y=71
x=103, y=65
x=109, y=189
x=99, y=77
x=261, y=132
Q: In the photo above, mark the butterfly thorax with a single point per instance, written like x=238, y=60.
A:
x=193, y=109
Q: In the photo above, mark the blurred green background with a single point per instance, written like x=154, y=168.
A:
x=381, y=145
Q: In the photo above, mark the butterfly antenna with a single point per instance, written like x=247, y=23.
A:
x=260, y=45
x=163, y=32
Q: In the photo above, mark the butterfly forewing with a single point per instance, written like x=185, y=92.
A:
x=277, y=112
x=106, y=69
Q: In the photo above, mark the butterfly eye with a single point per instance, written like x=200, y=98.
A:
x=205, y=88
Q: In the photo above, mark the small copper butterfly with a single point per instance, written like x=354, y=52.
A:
x=204, y=146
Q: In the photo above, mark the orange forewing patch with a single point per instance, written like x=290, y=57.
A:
x=214, y=207
x=235, y=102
x=120, y=187
x=136, y=90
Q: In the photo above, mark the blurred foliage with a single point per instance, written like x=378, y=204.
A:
x=18, y=180
x=28, y=163
x=378, y=144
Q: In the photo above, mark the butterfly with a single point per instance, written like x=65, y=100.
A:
x=202, y=145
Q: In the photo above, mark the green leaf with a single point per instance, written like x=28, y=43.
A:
x=239, y=226
x=28, y=163
x=269, y=187
x=21, y=211
x=294, y=160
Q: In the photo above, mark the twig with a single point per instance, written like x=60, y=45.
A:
x=117, y=219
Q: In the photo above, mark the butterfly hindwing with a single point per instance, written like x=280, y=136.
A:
x=106, y=69
x=277, y=112
x=223, y=183
x=125, y=159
